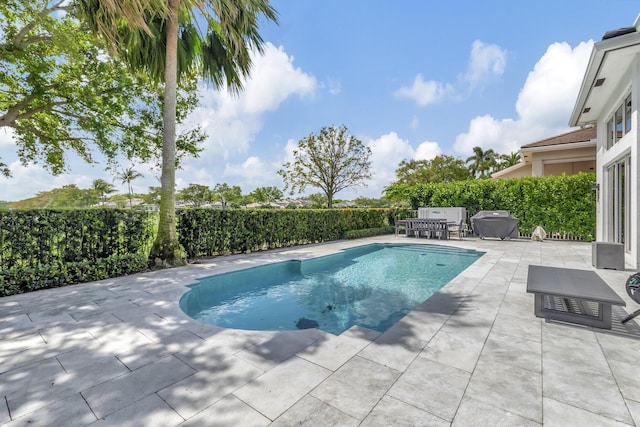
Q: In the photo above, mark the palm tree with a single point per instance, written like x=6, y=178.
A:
x=128, y=175
x=102, y=188
x=483, y=163
x=145, y=33
x=508, y=160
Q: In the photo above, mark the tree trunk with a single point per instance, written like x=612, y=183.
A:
x=166, y=250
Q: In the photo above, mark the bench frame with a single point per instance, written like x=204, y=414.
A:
x=584, y=297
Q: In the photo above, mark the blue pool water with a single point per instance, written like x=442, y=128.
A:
x=373, y=286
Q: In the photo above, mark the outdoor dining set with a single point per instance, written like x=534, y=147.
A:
x=432, y=228
x=441, y=223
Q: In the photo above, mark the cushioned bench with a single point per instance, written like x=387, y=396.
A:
x=569, y=295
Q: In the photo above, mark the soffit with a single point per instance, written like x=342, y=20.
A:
x=610, y=60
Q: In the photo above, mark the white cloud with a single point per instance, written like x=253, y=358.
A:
x=551, y=88
x=425, y=92
x=334, y=87
x=415, y=122
x=544, y=104
x=6, y=137
x=253, y=173
x=291, y=146
x=33, y=179
x=387, y=152
x=485, y=61
x=273, y=79
x=232, y=121
x=427, y=151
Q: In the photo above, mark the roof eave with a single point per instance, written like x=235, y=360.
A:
x=565, y=146
x=508, y=170
x=598, y=54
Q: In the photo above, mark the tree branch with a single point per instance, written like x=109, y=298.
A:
x=21, y=37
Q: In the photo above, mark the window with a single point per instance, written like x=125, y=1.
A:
x=627, y=114
x=611, y=135
x=620, y=124
x=619, y=128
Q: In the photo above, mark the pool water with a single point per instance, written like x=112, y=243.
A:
x=373, y=286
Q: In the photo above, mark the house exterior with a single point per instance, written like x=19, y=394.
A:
x=569, y=153
x=608, y=98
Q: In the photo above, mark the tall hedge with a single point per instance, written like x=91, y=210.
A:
x=50, y=248
x=210, y=232
x=560, y=204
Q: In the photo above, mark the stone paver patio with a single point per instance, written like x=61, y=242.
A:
x=121, y=352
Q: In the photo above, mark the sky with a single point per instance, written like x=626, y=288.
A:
x=411, y=79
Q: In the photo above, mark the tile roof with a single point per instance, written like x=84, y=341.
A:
x=580, y=135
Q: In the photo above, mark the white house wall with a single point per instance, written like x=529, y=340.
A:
x=605, y=158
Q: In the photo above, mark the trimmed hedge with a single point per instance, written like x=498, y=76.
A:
x=369, y=232
x=562, y=205
x=211, y=232
x=18, y=279
x=49, y=248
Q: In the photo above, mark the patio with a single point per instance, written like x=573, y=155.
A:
x=121, y=352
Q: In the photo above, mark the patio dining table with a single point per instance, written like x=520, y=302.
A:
x=429, y=227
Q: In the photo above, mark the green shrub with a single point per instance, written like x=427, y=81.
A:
x=211, y=232
x=560, y=204
x=49, y=248
x=369, y=232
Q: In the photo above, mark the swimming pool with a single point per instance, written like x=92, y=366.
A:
x=373, y=286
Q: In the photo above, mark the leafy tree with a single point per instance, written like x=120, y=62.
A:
x=441, y=168
x=59, y=92
x=482, y=163
x=366, y=202
x=163, y=38
x=266, y=195
x=128, y=176
x=120, y=200
x=153, y=196
x=68, y=196
x=195, y=194
x=102, y=189
x=332, y=160
x=227, y=196
x=318, y=200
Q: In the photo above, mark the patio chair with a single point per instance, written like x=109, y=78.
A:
x=459, y=229
x=633, y=284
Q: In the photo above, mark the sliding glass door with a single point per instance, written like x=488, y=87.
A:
x=619, y=195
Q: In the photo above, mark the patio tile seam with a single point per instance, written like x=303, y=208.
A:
x=256, y=409
x=475, y=366
x=615, y=379
x=310, y=392
x=178, y=413
x=6, y=404
x=88, y=406
x=615, y=421
x=406, y=403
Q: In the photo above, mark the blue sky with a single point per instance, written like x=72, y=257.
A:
x=410, y=79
